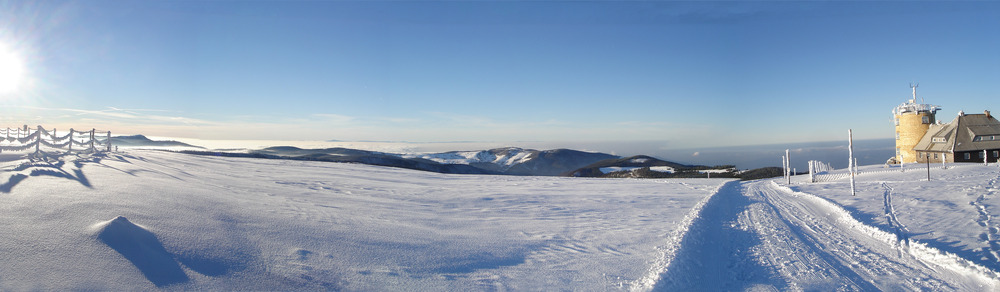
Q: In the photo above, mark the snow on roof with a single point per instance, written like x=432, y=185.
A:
x=911, y=107
x=958, y=134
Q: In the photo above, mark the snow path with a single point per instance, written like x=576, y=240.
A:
x=761, y=236
x=900, y=230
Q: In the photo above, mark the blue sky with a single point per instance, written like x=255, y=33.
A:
x=689, y=74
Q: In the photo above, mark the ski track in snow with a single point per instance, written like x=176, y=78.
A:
x=761, y=236
x=902, y=234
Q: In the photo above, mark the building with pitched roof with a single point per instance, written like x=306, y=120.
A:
x=921, y=138
x=967, y=138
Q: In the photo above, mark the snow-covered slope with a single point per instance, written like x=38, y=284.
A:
x=912, y=236
x=954, y=212
x=518, y=161
x=140, y=220
x=504, y=158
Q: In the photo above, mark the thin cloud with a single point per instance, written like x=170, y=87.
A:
x=335, y=118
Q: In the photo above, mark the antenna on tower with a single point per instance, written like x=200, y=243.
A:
x=914, y=87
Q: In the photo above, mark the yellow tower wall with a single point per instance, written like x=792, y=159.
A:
x=910, y=130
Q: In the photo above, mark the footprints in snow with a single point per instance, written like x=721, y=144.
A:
x=902, y=233
x=992, y=233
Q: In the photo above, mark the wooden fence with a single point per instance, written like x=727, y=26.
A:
x=27, y=139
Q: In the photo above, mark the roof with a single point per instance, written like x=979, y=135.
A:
x=959, y=134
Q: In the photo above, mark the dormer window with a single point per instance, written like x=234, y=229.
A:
x=986, y=138
x=926, y=120
x=939, y=140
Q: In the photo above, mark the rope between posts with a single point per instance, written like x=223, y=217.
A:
x=26, y=139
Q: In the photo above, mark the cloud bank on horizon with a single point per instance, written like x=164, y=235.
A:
x=690, y=74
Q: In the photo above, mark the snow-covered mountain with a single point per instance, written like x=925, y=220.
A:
x=518, y=161
x=143, y=141
x=353, y=156
x=642, y=166
x=505, y=161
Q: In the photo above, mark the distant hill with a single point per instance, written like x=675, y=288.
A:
x=366, y=157
x=518, y=161
x=143, y=141
x=642, y=166
x=500, y=161
x=503, y=161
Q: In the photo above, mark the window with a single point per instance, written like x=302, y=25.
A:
x=985, y=138
x=967, y=156
x=996, y=153
x=896, y=120
x=935, y=155
x=939, y=140
x=926, y=119
x=981, y=154
x=897, y=135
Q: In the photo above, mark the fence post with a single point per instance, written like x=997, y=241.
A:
x=70, y=139
x=788, y=170
x=109, y=141
x=812, y=170
x=850, y=159
x=92, y=139
x=38, y=144
x=784, y=166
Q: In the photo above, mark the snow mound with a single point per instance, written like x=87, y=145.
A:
x=143, y=249
x=611, y=169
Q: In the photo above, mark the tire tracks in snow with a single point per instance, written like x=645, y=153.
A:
x=715, y=252
x=761, y=236
x=875, y=256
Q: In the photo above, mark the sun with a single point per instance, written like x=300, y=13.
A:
x=11, y=70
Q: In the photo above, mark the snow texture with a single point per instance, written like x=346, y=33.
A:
x=144, y=219
x=506, y=159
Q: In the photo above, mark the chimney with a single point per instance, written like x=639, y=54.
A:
x=987, y=112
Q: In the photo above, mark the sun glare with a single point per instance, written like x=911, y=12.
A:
x=11, y=71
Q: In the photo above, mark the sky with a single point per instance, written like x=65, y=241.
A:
x=671, y=74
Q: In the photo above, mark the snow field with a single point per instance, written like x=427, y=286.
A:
x=217, y=223
x=762, y=236
x=946, y=221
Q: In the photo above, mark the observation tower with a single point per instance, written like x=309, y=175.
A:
x=912, y=120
